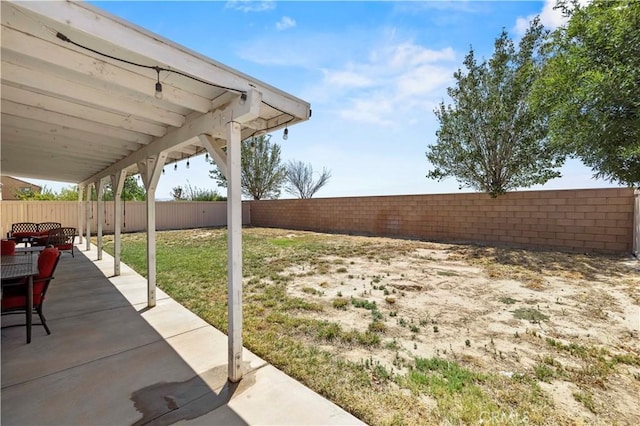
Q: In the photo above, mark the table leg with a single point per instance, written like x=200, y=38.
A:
x=29, y=306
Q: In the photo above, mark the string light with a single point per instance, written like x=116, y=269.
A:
x=187, y=163
x=285, y=135
x=163, y=170
x=175, y=166
x=158, y=94
x=206, y=157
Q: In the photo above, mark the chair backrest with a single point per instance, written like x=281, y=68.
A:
x=7, y=247
x=47, y=262
x=45, y=227
x=61, y=236
x=24, y=227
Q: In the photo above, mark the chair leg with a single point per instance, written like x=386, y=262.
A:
x=42, y=319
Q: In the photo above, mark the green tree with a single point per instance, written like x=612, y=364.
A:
x=300, y=181
x=590, y=88
x=490, y=140
x=69, y=193
x=45, y=194
x=262, y=172
x=194, y=193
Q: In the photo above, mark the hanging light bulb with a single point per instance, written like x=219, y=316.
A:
x=285, y=135
x=175, y=166
x=163, y=170
x=187, y=164
x=158, y=94
x=206, y=157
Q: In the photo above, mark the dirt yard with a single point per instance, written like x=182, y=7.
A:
x=570, y=321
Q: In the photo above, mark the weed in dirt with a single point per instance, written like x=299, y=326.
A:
x=447, y=274
x=530, y=314
x=587, y=400
x=392, y=345
x=341, y=270
x=312, y=291
x=340, y=303
x=377, y=326
x=364, y=304
x=507, y=300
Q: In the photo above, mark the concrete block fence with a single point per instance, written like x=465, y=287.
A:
x=586, y=220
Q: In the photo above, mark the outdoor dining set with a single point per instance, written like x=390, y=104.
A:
x=26, y=272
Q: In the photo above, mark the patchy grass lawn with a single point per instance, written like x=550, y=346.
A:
x=410, y=332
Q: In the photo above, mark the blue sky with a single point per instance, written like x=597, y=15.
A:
x=372, y=71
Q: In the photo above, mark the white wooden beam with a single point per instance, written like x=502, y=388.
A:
x=80, y=217
x=66, y=121
x=88, y=217
x=100, y=216
x=234, y=237
x=212, y=123
x=217, y=153
x=117, y=183
x=46, y=82
x=58, y=144
x=49, y=103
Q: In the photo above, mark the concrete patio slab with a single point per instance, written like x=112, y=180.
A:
x=110, y=360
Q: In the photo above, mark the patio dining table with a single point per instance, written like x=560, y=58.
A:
x=13, y=267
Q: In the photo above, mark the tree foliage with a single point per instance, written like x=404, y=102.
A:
x=590, y=87
x=262, y=172
x=194, y=193
x=300, y=181
x=132, y=191
x=45, y=194
x=489, y=139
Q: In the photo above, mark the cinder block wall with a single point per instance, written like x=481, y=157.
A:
x=587, y=220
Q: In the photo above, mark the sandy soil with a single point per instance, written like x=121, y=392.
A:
x=463, y=304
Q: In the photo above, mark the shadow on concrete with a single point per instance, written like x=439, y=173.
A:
x=104, y=363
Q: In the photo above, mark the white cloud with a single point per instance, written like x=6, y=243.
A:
x=346, y=79
x=397, y=82
x=550, y=17
x=251, y=6
x=285, y=23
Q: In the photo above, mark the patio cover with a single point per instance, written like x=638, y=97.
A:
x=80, y=104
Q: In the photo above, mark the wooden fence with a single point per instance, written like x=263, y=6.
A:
x=169, y=214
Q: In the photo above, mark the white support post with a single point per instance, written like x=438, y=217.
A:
x=150, y=170
x=88, y=217
x=234, y=235
x=100, y=217
x=80, y=217
x=117, y=183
